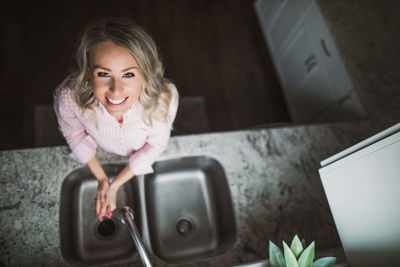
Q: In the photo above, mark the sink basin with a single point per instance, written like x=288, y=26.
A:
x=183, y=212
x=189, y=209
x=84, y=240
x=262, y=263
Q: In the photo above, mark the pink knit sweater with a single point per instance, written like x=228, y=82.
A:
x=142, y=143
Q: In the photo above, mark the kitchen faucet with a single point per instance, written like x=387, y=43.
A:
x=127, y=218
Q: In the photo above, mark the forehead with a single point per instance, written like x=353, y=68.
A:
x=109, y=53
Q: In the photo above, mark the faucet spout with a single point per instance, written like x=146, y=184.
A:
x=127, y=218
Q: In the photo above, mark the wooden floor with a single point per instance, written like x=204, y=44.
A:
x=212, y=49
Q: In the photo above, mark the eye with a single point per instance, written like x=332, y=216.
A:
x=103, y=74
x=128, y=75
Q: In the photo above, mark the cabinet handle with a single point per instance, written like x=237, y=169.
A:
x=311, y=66
x=309, y=59
x=310, y=63
x=325, y=48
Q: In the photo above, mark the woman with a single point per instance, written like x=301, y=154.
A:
x=118, y=99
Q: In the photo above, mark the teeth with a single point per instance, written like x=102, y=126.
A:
x=116, y=101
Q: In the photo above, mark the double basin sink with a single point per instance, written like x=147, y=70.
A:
x=183, y=211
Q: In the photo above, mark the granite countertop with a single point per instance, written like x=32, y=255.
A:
x=272, y=174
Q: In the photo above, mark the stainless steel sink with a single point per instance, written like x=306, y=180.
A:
x=84, y=239
x=183, y=211
x=262, y=263
x=189, y=210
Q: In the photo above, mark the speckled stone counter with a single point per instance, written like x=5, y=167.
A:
x=272, y=174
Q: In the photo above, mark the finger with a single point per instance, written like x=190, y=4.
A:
x=99, y=214
x=109, y=212
x=112, y=208
x=100, y=191
x=102, y=196
x=103, y=209
x=98, y=205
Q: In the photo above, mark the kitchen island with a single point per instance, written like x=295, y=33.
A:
x=272, y=174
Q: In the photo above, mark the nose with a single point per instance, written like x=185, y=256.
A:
x=116, y=86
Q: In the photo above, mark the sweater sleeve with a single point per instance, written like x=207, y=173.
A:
x=141, y=161
x=82, y=145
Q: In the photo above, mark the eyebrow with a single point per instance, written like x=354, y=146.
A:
x=107, y=69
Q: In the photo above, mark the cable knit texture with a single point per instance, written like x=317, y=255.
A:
x=142, y=143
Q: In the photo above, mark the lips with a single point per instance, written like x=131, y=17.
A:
x=116, y=102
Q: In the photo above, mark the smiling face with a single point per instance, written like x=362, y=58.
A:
x=116, y=78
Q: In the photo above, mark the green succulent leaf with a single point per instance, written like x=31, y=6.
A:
x=307, y=257
x=325, y=262
x=290, y=259
x=303, y=242
x=296, y=246
x=275, y=256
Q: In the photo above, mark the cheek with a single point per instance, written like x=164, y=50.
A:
x=98, y=91
x=100, y=83
x=135, y=88
x=138, y=89
x=135, y=93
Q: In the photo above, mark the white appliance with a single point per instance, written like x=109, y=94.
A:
x=362, y=185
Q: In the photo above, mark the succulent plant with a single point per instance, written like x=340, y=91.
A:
x=296, y=255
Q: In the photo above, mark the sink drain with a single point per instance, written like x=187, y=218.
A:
x=184, y=227
x=106, y=228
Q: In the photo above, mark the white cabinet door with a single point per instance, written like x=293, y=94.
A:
x=266, y=11
x=312, y=75
x=328, y=53
x=299, y=59
x=362, y=189
x=278, y=18
x=306, y=84
x=304, y=4
x=312, y=97
x=288, y=15
x=349, y=107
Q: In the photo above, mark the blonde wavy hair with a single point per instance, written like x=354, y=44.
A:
x=155, y=93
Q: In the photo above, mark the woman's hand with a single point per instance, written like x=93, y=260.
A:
x=108, y=200
x=102, y=189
